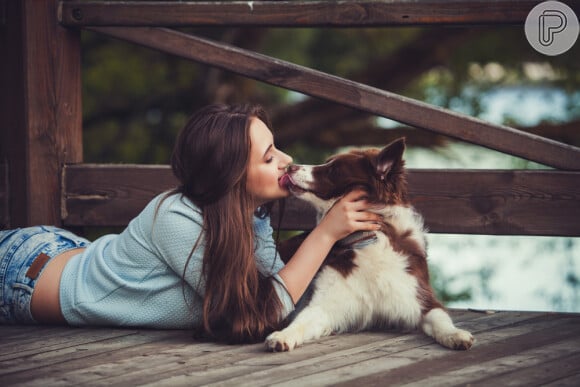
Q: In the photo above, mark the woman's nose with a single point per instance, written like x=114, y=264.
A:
x=287, y=160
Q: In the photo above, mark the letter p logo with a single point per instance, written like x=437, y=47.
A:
x=551, y=22
x=552, y=28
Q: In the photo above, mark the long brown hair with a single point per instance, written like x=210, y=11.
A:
x=210, y=160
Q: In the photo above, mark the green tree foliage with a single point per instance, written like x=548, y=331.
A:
x=136, y=99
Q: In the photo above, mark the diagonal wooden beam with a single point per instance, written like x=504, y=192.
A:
x=294, y=13
x=353, y=94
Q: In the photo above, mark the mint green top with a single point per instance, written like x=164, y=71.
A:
x=135, y=278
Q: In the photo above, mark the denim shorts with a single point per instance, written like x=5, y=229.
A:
x=23, y=255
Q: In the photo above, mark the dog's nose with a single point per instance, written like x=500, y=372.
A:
x=292, y=168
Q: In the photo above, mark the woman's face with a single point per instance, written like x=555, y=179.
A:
x=267, y=164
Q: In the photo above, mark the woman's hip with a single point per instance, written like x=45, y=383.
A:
x=24, y=254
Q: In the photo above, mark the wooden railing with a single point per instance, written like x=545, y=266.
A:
x=459, y=201
x=295, y=13
x=452, y=201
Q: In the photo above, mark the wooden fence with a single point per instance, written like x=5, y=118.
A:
x=43, y=178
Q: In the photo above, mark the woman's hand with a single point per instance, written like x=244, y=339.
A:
x=349, y=214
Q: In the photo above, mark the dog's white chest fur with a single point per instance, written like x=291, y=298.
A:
x=379, y=291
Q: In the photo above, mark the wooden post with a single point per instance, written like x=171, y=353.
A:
x=40, y=106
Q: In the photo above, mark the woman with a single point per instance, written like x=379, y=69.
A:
x=195, y=257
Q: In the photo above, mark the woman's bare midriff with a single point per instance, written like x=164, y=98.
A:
x=45, y=302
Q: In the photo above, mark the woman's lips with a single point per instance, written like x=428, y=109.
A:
x=285, y=181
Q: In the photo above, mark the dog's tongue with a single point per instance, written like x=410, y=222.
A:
x=285, y=181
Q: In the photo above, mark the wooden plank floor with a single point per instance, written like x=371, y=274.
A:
x=512, y=348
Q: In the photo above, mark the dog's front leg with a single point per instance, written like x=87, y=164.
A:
x=437, y=324
x=312, y=323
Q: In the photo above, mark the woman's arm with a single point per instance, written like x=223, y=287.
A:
x=348, y=215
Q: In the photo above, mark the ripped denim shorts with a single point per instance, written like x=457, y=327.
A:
x=23, y=255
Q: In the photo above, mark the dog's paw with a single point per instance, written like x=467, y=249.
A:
x=458, y=339
x=280, y=342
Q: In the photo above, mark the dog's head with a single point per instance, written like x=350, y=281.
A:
x=380, y=172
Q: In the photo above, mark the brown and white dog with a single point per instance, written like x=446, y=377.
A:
x=371, y=279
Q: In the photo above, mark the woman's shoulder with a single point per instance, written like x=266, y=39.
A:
x=168, y=208
x=170, y=202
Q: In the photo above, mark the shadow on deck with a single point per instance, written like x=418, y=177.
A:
x=512, y=348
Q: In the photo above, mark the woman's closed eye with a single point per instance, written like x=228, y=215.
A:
x=271, y=153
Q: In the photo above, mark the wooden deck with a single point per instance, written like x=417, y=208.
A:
x=512, y=348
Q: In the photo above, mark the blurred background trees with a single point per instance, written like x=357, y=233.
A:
x=135, y=99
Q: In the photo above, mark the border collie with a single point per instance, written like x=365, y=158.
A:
x=370, y=279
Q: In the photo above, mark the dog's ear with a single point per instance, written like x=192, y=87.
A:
x=389, y=156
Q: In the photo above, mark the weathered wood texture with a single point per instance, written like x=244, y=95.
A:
x=512, y=347
x=353, y=94
x=295, y=13
x=41, y=107
x=452, y=201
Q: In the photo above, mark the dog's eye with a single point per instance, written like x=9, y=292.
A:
x=333, y=171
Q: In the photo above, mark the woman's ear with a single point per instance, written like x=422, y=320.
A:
x=389, y=156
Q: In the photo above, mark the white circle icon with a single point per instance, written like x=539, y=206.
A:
x=552, y=28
